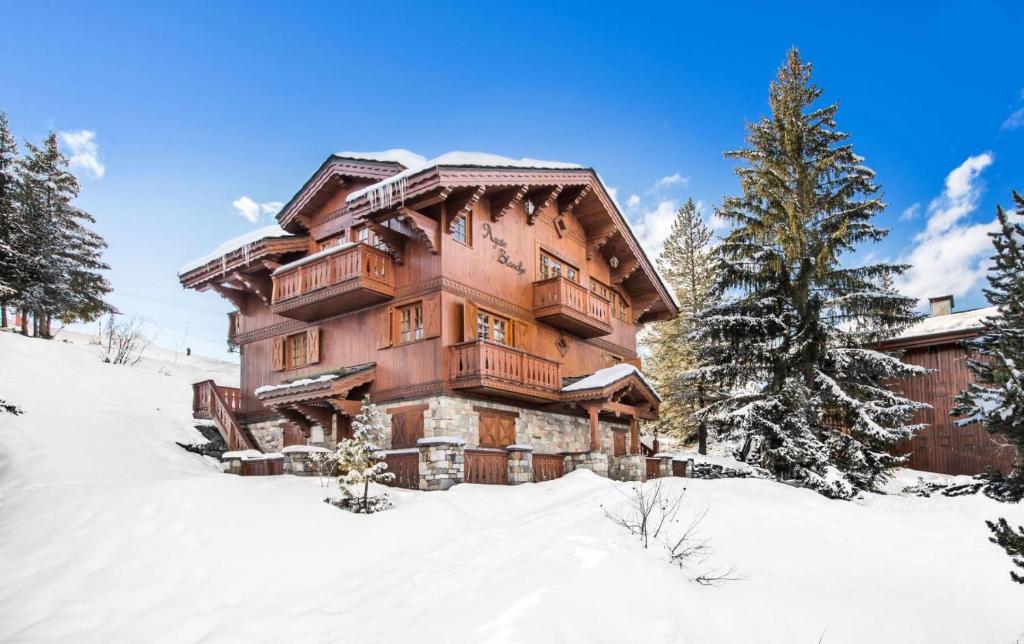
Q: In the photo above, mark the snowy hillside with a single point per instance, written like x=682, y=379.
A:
x=110, y=532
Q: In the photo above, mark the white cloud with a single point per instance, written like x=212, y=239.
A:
x=84, y=152
x=251, y=211
x=633, y=201
x=950, y=256
x=672, y=180
x=652, y=228
x=911, y=213
x=1014, y=120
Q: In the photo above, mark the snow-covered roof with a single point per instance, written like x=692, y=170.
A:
x=305, y=382
x=417, y=163
x=406, y=158
x=303, y=449
x=242, y=453
x=231, y=245
x=607, y=376
x=951, y=323
x=312, y=258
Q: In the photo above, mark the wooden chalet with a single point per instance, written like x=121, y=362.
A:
x=491, y=301
x=947, y=445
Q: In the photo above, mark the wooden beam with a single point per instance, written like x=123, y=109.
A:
x=597, y=239
x=642, y=304
x=625, y=268
x=258, y=284
x=546, y=197
x=317, y=415
x=347, y=407
x=392, y=239
x=271, y=265
x=503, y=202
x=634, y=436
x=432, y=200
x=569, y=205
x=595, y=427
x=460, y=207
x=295, y=418
x=426, y=228
x=232, y=295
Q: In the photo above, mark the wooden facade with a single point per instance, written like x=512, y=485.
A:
x=493, y=282
x=945, y=446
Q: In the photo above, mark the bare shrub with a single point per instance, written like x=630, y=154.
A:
x=652, y=515
x=122, y=341
x=325, y=464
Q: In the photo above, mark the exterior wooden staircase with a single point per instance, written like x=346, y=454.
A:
x=211, y=401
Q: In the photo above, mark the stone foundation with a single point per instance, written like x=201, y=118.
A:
x=442, y=462
x=630, y=467
x=596, y=462
x=268, y=434
x=520, y=464
x=665, y=466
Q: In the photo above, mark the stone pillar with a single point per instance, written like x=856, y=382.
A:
x=232, y=464
x=442, y=462
x=665, y=467
x=520, y=464
x=596, y=462
x=630, y=467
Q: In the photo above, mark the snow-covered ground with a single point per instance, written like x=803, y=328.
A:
x=111, y=533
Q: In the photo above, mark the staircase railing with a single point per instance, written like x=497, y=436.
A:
x=219, y=404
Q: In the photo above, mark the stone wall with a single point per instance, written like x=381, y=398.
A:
x=268, y=434
x=631, y=467
x=520, y=464
x=596, y=462
x=442, y=463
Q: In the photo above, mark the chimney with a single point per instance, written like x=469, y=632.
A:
x=941, y=305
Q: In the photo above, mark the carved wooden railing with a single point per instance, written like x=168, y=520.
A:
x=561, y=291
x=234, y=326
x=219, y=404
x=359, y=261
x=488, y=359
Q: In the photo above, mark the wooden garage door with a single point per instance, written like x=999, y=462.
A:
x=497, y=429
x=406, y=425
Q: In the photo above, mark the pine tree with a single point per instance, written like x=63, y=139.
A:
x=62, y=269
x=996, y=399
x=361, y=462
x=12, y=231
x=791, y=342
x=1012, y=541
x=685, y=263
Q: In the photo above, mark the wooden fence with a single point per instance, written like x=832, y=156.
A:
x=406, y=468
x=653, y=467
x=486, y=466
x=548, y=467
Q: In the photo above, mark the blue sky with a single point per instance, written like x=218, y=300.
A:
x=188, y=108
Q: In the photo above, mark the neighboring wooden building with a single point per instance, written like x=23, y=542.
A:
x=946, y=446
x=470, y=295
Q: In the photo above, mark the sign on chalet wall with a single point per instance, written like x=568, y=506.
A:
x=503, y=256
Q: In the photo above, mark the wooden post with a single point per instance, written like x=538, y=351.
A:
x=634, y=436
x=595, y=430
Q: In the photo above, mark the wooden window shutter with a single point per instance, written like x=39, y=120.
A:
x=468, y=321
x=313, y=345
x=520, y=334
x=277, y=354
x=432, y=316
x=384, y=328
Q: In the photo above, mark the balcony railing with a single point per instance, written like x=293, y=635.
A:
x=500, y=369
x=341, y=280
x=564, y=304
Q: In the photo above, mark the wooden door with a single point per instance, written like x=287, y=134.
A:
x=497, y=429
x=406, y=426
x=618, y=443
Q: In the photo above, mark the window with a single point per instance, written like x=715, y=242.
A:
x=295, y=351
x=364, y=235
x=553, y=267
x=492, y=327
x=330, y=242
x=619, y=307
x=411, y=322
x=460, y=229
x=601, y=289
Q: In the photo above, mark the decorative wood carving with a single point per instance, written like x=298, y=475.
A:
x=502, y=203
x=392, y=239
x=597, y=239
x=426, y=228
x=232, y=295
x=258, y=284
x=271, y=265
x=642, y=304
x=347, y=407
x=570, y=204
x=460, y=207
x=544, y=199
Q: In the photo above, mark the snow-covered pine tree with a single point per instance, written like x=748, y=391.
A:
x=63, y=278
x=685, y=263
x=361, y=462
x=11, y=226
x=996, y=399
x=791, y=342
x=1012, y=541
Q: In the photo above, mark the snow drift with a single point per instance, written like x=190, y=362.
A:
x=110, y=532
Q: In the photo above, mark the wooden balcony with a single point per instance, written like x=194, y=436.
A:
x=340, y=280
x=566, y=305
x=488, y=367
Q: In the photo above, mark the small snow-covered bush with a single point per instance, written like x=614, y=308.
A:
x=993, y=484
x=360, y=462
x=325, y=464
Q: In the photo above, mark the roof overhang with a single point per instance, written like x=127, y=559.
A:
x=630, y=386
x=250, y=257
x=319, y=389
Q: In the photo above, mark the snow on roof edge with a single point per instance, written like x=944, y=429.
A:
x=609, y=375
x=267, y=232
x=950, y=323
